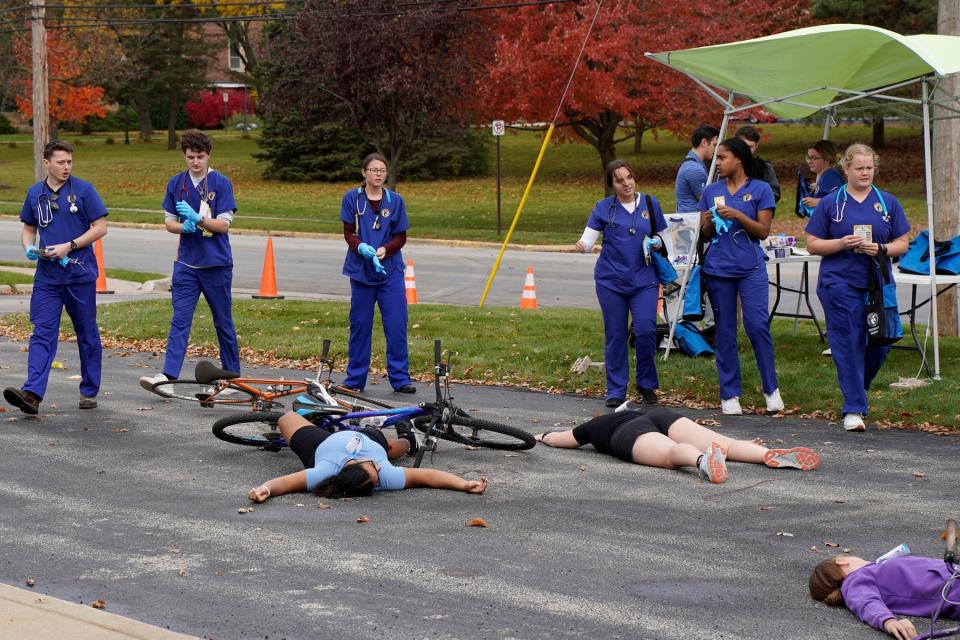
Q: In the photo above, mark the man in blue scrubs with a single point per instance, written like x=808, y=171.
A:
x=692, y=174
x=62, y=217
x=199, y=207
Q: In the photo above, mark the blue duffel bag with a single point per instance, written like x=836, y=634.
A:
x=917, y=258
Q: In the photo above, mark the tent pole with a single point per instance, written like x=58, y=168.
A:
x=826, y=125
x=928, y=175
x=696, y=237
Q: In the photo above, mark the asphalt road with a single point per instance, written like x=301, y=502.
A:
x=136, y=503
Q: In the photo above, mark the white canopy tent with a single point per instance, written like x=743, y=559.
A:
x=798, y=73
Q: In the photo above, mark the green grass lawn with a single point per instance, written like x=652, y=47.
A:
x=119, y=274
x=533, y=349
x=13, y=279
x=570, y=181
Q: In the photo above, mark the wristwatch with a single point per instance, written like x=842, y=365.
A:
x=73, y=245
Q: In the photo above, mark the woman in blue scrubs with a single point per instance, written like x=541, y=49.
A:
x=375, y=227
x=839, y=230
x=736, y=215
x=626, y=284
x=820, y=159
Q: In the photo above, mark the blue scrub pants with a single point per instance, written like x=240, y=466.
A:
x=214, y=283
x=857, y=364
x=642, y=307
x=46, y=305
x=391, y=297
x=754, y=296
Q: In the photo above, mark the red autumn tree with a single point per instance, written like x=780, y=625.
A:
x=614, y=83
x=72, y=99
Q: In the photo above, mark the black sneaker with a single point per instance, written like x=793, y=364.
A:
x=26, y=401
x=614, y=402
x=405, y=432
x=647, y=396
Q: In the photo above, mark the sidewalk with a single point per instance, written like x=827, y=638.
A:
x=28, y=615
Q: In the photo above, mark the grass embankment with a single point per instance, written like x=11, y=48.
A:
x=531, y=349
x=569, y=183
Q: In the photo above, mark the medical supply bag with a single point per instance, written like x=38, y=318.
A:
x=917, y=258
x=882, y=316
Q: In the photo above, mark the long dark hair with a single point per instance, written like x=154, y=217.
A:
x=612, y=167
x=742, y=152
x=352, y=481
x=825, y=582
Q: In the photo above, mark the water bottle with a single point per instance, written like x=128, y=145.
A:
x=373, y=421
x=897, y=552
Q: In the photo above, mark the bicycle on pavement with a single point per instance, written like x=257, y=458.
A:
x=438, y=420
x=951, y=556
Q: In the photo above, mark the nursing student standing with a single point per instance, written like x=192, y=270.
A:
x=199, y=208
x=838, y=230
x=375, y=228
x=626, y=284
x=62, y=217
x=734, y=267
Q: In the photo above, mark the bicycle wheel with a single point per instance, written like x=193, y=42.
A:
x=196, y=392
x=477, y=432
x=254, y=429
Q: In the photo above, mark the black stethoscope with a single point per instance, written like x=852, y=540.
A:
x=45, y=217
x=384, y=212
x=184, y=192
x=612, y=215
x=838, y=213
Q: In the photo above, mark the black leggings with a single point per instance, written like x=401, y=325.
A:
x=616, y=433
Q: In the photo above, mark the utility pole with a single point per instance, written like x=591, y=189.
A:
x=41, y=96
x=946, y=161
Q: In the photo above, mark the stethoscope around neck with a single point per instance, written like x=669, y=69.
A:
x=385, y=211
x=45, y=215
x=612, y=214
x=838, y=208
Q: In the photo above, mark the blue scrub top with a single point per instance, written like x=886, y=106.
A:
x=620, y=266
x=195, y=249
x=736, y=253
x=830, y=181
x=393, y=220
x=64, y=227
x=846, y=266
x=343, y=446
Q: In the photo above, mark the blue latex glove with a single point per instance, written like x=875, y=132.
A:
x=367, y=251
x=376, y=265
x=186, y=211
x=64, y=261
x=649, y=246
x=32, y=252
x=720, y=225
x=189, y=226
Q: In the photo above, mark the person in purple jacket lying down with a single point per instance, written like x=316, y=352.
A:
x=879, y=593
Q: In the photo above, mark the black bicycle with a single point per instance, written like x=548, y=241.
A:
x=438, y=420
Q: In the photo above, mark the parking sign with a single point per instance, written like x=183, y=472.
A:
x=499, y=128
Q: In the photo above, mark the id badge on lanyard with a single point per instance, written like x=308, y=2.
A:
x=206, y=214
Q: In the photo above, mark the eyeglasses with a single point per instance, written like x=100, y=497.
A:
x=378, y=172
x=813, y=158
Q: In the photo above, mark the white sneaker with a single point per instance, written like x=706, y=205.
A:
x=774, y=401
x=826, y=352
x=853, y=422
x=731, y=406
x=148, y=382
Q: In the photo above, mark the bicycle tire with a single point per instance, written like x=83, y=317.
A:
x=194, y=391
x=464, y=429
x=249, y=429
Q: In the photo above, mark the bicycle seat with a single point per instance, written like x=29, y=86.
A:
x=206, y=372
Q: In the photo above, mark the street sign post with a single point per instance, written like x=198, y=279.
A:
x=498, y=128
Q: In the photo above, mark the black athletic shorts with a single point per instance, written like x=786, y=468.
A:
x=616, y=433
x=306, y=439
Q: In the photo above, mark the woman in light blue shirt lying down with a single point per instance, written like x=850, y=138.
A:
x=351, y=463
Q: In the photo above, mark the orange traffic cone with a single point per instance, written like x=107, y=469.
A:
x=529, y=298
x=101, y=271
x=410, y=282
x=268, y=279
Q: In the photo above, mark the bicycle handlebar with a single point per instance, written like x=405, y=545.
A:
x=950, y=554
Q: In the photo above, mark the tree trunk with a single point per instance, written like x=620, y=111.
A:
x=879, y=132
x=946, y=163
x=601, y=133
x=172, y=122
x=638, y=140
x=142, y=106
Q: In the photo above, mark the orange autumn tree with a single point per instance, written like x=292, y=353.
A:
x=72, y=99
x=615, y=85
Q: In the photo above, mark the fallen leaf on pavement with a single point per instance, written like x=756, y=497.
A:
x=919, y=474
x=814, y=549
x=181, y=572
x=785, y=534
x=98, y=604
x=218, y=573
x=363, y=519
x=245, y=510
x=120, y=430
x=831, y=544
x=56, y=365
x=74, y=377
x=323, y=505
x=767, y=508
x=583, y=468
x=30, y=582
x=847, y=550
x=477, y=522
x=511, y=455
x=144, y=408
